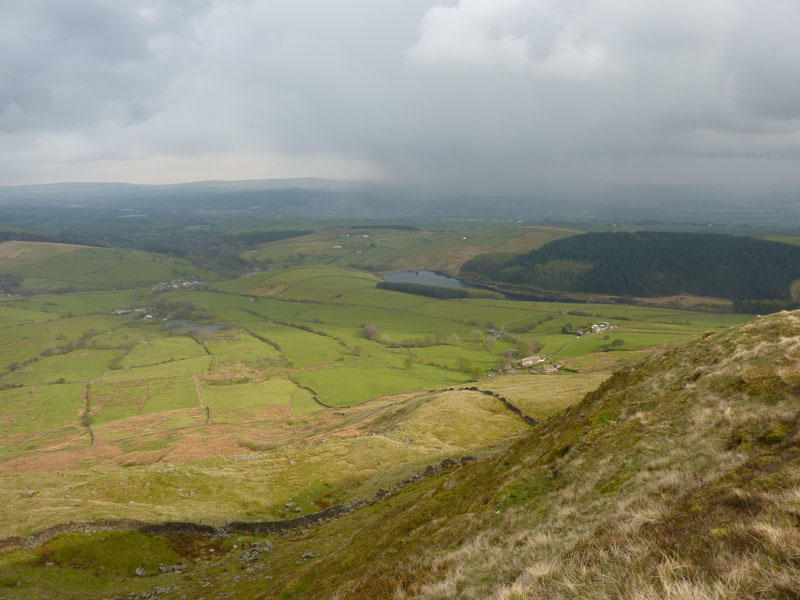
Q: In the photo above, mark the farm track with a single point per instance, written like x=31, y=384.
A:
x=280, y=527
x=199, y=391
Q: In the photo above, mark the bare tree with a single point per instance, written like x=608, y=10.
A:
x=371, y=331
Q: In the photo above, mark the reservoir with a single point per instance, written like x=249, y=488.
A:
x=425, y=278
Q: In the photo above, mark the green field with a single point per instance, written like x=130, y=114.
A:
x=84, y=392
x=47, y=267
x=300, y=386
x=387, y=249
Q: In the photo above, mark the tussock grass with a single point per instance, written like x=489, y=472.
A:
x=636, y=492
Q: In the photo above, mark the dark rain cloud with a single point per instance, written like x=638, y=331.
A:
x=465, y=93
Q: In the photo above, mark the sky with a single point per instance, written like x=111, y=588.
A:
x=459, y=94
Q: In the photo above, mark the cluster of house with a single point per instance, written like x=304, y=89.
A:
x=127, y=311
x=534, y=361
x=596, y=328
x=177, y=284
x=347, y=235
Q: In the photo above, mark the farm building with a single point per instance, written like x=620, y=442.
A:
x=531, y=361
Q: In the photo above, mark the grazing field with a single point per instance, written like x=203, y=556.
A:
x=47, y=266
x=271, y=389
x=387, y=249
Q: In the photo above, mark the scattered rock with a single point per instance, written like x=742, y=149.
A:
x=178, y=568
x=140, y=572
x=30, y=493
x=308, y=555
x=255, y=551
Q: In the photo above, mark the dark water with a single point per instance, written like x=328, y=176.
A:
x=430, y=278
x=425, y=278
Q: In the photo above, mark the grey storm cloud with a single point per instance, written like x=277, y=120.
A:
x=490, y=91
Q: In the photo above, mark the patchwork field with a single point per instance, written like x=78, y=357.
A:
x=231, y=401
x=387, y=249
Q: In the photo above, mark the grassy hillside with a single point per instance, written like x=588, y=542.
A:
x=652, y=264
x=44, y=266
x=379, y=249
x=676, y=478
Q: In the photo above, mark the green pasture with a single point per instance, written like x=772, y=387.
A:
x=171, y=393
x=244, y=402
x=18, y=256
x=456, y=357
x=232, y=348
x=301, y=348
x=80, y=365
x=318, y=284
x=75, y=327
x=355, y=382
x=82, y=303
x=36, y=409
x=308, y=331
x=237, y=309
x=162, y=350
x=177, y=368
x=387, y=249
x=11, y=315
x=104, y=268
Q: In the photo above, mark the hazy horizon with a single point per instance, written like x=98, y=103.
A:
x=458, y=96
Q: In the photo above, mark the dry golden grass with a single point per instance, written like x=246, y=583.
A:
x=663, y=484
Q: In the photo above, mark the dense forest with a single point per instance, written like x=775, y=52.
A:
x=651, y=264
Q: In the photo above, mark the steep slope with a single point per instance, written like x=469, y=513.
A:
x=677, y=478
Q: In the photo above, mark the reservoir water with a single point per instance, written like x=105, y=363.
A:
x=425, y=278
x=430, y=278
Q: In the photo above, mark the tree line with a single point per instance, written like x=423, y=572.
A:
x=651, y=264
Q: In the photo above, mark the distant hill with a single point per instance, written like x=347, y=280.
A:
x=651, y=264
x=556, y=201
x=29, y=267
